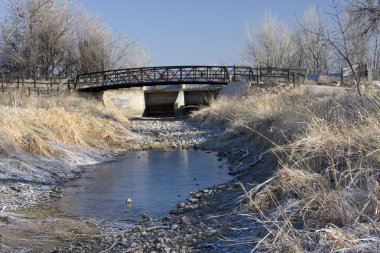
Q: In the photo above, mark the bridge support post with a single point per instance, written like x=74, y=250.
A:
x=179, y=104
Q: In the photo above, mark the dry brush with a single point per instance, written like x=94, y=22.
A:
x=38, y=125
x=325, y=197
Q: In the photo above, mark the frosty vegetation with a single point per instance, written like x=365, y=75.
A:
x=321, y=41
x=44, y=38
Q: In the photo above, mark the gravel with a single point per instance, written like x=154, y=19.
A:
x=177, y=133
x=186, y=229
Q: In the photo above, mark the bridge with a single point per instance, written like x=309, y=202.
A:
x=152, y=76
x=164, y=90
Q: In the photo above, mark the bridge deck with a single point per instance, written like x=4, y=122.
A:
x=151, y=76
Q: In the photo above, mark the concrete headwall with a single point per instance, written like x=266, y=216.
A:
x=200, y=97
x=160, y=103
x=169, y=99
x=131, y=101
x=234, y=89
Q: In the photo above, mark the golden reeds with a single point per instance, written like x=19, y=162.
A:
x=36, y=124
x=326, y=195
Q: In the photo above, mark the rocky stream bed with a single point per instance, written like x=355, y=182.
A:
x=211, y=220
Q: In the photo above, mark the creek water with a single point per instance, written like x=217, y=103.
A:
x=154, y=180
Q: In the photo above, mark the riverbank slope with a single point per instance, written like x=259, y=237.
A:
x=324, y=194
x=301, y=162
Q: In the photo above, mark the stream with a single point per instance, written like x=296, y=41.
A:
x=155, y=181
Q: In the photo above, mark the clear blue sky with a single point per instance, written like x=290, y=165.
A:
x=193, y=31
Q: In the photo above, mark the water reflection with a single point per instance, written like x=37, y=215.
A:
x=155, y=180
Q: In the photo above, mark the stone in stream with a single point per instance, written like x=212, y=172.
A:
x=146, y=217
x=174, y=226
x=193, y=200
x=181, y=205
x=185, y=220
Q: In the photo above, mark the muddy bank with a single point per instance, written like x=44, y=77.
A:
x=41, y=229
x=29, y=184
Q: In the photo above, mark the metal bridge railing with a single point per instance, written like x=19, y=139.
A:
x=138, y=77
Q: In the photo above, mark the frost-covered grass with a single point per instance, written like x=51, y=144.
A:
x=326, y=195
x=36, y=125
x=44, y=140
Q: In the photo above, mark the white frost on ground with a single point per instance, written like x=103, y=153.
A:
x=27, y=179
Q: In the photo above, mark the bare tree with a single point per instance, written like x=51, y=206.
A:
x=268, y=44
x=54, y=37
x=310, y=43
x=366, y=15
x=342, y=37
x=42, y=38
x=35, y=37
x=99, y=49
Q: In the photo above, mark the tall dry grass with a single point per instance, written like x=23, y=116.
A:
x=39, y=125
x=326, y=195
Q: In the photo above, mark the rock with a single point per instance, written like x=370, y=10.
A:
x=174, y=227
x=221, y=187
x=193, y=200
x=181, y=205
x=146, y=217
x=166, y=218
x=185, y=220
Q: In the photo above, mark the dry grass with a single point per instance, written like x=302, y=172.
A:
x=326, y=195
x=329, y=79
x=37, y=125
